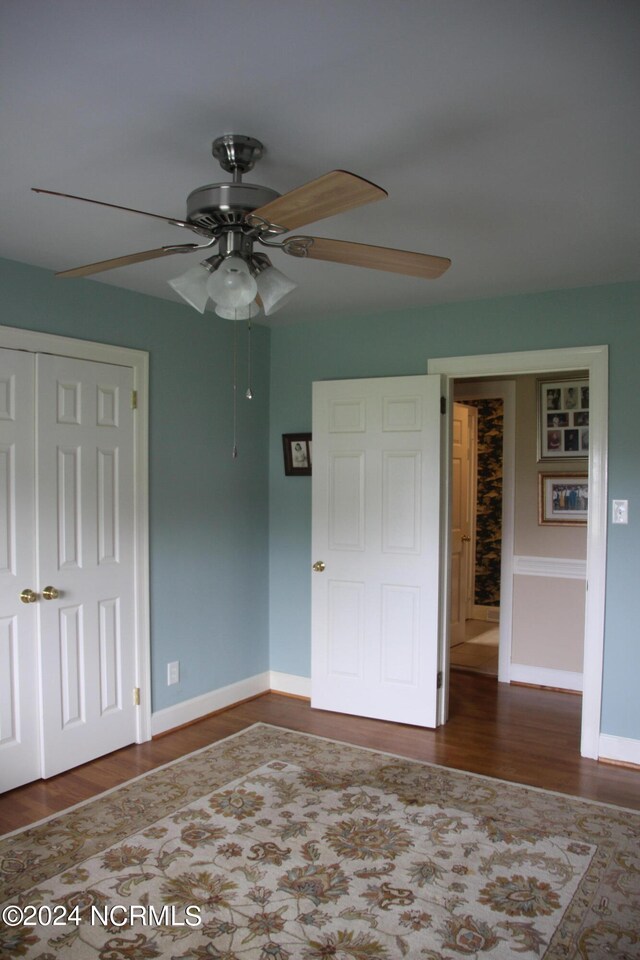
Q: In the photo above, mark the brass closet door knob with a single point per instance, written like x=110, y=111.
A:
x=28, y=596
x=319, y=566
x=50, y=593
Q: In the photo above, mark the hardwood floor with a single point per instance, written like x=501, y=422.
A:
x=513, y=733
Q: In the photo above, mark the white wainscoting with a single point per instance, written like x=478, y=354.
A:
x=562, y=568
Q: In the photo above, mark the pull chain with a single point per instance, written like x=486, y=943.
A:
x=249, y=393
x=234, y=452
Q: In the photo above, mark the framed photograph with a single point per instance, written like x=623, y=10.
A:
x=297, y=454
x=563, y=498
x=563, y=419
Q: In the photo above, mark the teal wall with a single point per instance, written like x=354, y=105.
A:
x=230, y=541
x=401, y=344
x=208, y=513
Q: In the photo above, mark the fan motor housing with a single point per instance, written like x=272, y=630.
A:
x=226, y=204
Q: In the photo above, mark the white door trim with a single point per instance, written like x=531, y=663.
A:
x=596, y=361
x=17, y=339
x=506, y=391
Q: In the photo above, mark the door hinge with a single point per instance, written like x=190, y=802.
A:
x=136, y=696
x=134, y=399
x=439, y=680
x=443, y=404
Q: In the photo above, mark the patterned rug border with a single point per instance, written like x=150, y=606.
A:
x=314, y=736
x=126, y=783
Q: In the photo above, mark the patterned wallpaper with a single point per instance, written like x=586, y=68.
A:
x=489, y=501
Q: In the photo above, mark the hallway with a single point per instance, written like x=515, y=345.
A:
x=479, y=652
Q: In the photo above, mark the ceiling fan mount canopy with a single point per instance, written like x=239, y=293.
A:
x=237, y=154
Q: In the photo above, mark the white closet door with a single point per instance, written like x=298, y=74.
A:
x=19, y=748
x=85, y=526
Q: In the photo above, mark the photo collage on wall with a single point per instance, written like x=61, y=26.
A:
x=563, y=432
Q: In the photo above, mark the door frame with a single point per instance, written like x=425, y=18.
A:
x=14, y=338
x=504, y=390
x=595, y=360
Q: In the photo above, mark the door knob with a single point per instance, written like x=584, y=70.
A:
x=319, y=566
x=28, y=596
x=50, y=593
x=466, y=539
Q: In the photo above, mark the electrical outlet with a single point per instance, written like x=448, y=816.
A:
x=620, y=511
x=173, y=672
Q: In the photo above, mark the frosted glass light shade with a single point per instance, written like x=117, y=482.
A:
x=192, y=286
x=231, y=285
x=274, y=289
x=239, y=313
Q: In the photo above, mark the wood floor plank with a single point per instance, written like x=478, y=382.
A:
x=513, y=733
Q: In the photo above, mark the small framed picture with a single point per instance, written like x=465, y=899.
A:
x=563, y=419
x=563, y=499
x=297, y=454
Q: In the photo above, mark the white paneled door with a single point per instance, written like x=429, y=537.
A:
x=19, y=720
x=69, y=654
x=462, y=520
x=376, y=547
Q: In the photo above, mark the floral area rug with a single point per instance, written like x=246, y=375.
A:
x=275, y=845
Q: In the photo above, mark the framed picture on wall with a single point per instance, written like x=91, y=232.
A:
x=563, y=419
x=297, y=454
x=563, y=498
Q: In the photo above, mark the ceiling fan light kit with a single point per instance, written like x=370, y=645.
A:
x=235, y=216
x=274, y=289
x=232, y=285
x=238, y=313
x=192, y=286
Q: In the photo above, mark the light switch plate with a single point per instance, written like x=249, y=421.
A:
x=620, y=511
x=173, y=672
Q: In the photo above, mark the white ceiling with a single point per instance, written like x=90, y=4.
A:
x=505, y=132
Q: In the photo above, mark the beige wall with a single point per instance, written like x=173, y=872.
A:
x=548, y=612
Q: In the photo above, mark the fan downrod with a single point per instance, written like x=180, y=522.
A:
x=237, y=154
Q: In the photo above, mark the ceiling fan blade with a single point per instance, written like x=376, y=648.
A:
x=101, y=265
x=378, y=258
x=115, y=206
x=332, y=193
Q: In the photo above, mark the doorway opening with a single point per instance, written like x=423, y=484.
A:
x=476, y=534
x=549, y=559
x=594, y=361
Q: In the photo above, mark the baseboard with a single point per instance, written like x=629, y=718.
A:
x=190, y=710
x=490, y=614
x=290, y=684
x=544, y=677
x=619, y=749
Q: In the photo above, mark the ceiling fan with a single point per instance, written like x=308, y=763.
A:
x=234, y=216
